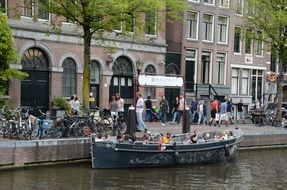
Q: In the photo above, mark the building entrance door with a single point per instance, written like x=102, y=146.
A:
x=122, y=80
x=35, y=88
x=171, y=93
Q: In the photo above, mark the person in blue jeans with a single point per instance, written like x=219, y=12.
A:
x=148, y=107
x=175, y=110
x=193, y=110
x=163, y=109
x=139, y=111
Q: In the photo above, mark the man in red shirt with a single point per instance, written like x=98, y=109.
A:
x=213, y=110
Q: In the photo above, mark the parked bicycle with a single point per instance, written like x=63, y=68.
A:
x=43, y=127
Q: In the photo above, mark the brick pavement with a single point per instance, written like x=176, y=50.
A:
x=156, y=127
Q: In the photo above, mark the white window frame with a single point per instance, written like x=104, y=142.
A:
x=251, y=48
x=262, y=45
x=195, y=62
x=240, y=42
x=155, y=27
x=242, y=8
x=33, y=11
x=225, y=66
x=212, y=4
x=226, y=32
x=248, y=81
x=210, y=65
x=195, y=1
x=6, y=7
x=41, y=19
x=197, y=26
x=222, y=5
x=237, y=77
x=212, y=29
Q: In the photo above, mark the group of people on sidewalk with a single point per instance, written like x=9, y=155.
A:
x=117, y=105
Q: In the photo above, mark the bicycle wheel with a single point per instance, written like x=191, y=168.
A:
x=84, y=129
x=56, y=130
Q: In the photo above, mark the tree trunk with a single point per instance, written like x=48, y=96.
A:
x=280, y=84
x=87, y=63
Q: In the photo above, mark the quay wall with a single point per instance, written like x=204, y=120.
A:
x=26, y=153
x=21, y=153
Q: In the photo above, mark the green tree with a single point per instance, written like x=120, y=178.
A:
x=270, y=17
x=95, y=17
x=8, y=55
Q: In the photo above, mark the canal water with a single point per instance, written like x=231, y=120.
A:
x=252, y=169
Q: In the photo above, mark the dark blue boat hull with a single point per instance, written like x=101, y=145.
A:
x=128, y=155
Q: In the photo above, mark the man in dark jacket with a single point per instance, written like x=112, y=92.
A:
x=148, y=107
x=164, y=108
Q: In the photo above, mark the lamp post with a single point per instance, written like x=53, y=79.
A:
x=139, y=65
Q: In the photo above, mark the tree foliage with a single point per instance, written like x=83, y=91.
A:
x=8, y=55
x=270, y=17
x=97, y=17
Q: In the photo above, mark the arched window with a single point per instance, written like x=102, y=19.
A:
x=150, y=91
x=69, y=77
x=34, y=59
x=122, y=66
x=95, y=72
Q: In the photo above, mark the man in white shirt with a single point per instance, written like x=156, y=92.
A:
x=139, y=111
x=121, y=104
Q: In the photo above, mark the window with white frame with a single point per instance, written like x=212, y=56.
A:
x=245, y=82
x=150, y=23
x=3, y=6
x=220, y=68
x=41, y=13
x=257, y=84
x=224, y=3
x=248, y=41
x=27, y=8
x=222, y=29
x=192, y=25
x=259, y=43
x=197, y=1
x=211, y=2
x=239, y=7
x=234, y=81
x=150, y=91
x=207, y=27
x=205, y=69
x=237, y=40
x=69, y=77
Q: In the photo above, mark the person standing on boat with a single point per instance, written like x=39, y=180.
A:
x=163, y=109
x=139, y=112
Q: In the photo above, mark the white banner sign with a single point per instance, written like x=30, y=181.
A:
x=160, y=81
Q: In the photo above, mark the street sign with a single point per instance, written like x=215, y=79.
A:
x=160, y=81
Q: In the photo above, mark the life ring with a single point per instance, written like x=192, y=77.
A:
x=226, y=149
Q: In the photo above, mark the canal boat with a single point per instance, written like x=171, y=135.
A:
x=210, y=147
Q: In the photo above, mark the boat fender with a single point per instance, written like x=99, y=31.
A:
x=226, y=149
x=176, y=157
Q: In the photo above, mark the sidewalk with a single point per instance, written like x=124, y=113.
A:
x=248, y=129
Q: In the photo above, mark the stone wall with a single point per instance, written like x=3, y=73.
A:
x=19, y=153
